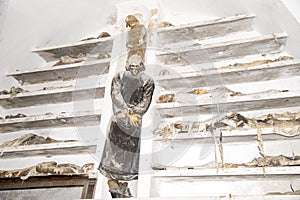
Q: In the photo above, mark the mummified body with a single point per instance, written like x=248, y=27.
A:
x=136, y=37
x=131, y=94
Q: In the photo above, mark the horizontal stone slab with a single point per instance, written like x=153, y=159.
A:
x=93, y=46
x=62, y=72
x=209, y=53
x=207, y=29
x=51, y=96
x=50, y=149
x=50, y=121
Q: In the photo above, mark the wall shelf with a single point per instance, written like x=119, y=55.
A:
x=265, y=72
x=51, y=96
x=209, y=53
x=50, y=149
x=207, y=29
x=93, y=46
x=205, y=105
x=50, y=121
x=62, y=72
x=240, y=171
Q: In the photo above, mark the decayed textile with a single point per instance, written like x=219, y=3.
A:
x=46, y=168
x=286, y=124
x=28, y=139
x=13, y=91
x=131, y=94
x=31, y=139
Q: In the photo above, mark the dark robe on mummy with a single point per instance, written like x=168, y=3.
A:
x=120, y=158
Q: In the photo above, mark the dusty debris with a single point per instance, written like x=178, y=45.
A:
x=152, y=25
x=196, y=127
x=230, y=165
x=231, y=92
x=168, y=132
x=16, y=90
x=49, y=113
x=182, y=127
x=199, y=91
x=19, y=115
x=103, y=56
x=89, y=38
x=164, y=72
x=57, y=87
x=165, y=24
x=232, y=121
x=47, y=168
x=13, y=91
x=70, y=59
x=153, y=12
x=4, y=92
x=275, y=37
x=296, y=192
x=222, y=89
x=257, y=62
x=158, y=167
x=282, y=58
x=266, y=161
x=166, y=98
x=274, y=161
x=101, y=35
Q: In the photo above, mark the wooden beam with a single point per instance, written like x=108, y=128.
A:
x=87, y=183
x=223, y=50
x=207, y=29
x=43, y=181
x=93, y=46
x=62, y=72
x=48, y=121
x=59, y=95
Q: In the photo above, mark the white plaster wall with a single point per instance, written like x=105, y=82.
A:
x=294, y=7
x=30, y=24
x=25, y=25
